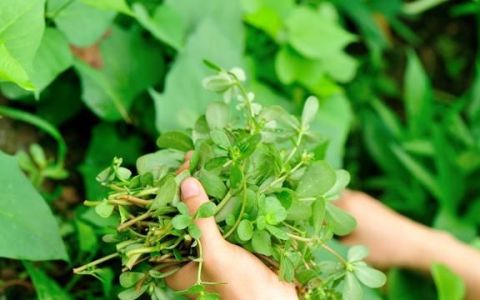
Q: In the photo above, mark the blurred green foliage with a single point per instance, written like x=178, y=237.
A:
x=398, y=85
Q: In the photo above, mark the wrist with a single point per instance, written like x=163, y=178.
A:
x=425, y=246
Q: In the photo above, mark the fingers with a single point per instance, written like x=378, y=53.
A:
x=193, y=195
x=213, y=244
x=184, y=278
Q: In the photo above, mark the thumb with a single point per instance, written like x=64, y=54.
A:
x=193, y=195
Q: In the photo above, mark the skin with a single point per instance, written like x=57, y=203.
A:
x=396, y=241
x=393, y=240
x=244, y=275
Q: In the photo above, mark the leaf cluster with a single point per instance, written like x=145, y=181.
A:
x=268, y=192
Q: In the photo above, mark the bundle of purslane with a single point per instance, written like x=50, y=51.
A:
x=269, y=194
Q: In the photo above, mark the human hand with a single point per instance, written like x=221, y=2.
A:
x=393, y=240
x=243, y=275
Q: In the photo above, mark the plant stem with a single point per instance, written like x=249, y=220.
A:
x=39, y=123
x=242, y=210
x=95, y=262
x=200, y=262
x=293, y=228
x=223, y=202
x=130, y=222
x=248, y=105
x=135, y=200
x=322, y=244
x=296, y=146
x=338, y=256
x=281, y=178
x=147, y=192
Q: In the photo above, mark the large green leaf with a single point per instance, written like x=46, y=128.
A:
x=53, y=57
x=45, y=287
x=418, y=96
x=130, y=65
x=166, y=24
x=315, y=36
x=21, y=28
x=420, y=172
x=179, y=107
x=82, y=24
x=115, y=5
x=268, y=15
x=28, y=229
x=226, y=14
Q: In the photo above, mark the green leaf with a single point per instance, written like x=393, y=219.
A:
x=193, y=290
x=174, y=108
x=314, y=36
x=181, y=221
x=342, y=222
x=279, y=233
x=417, y=170
x=206, y=210
x=132, y=293
x=166, y=24
x=351, y=288
x=129, y=279
x=217, y=115
x=168, y=192
x=53, y=57
x=287, y=269
x=369, y=277
x=156, y=162
x=130, y=66
x=274, y=211
x=175, y=140
x=262, y=243
x=318, y=179
x=449, y=285
x=220, y=138
x=245, y=230
x=342, y=180
x=115, y=5
x=208, y=296
x=22, y=209
x=45, y=287
x=267, y=19
x=310, y=109
x=299, y=211
x=194, y=231
x=104, y=209
x=418, y=96
x=87, y=238
x=318, y=214
x=21, y=28
x=333, y=122
x=69, y=17
x=231, y=208
x=357, y=253
x=213, y=184
x=182, y=208
x=38, y=155
x=236, y=176
x=12, y=70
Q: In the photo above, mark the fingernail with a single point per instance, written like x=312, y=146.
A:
x=190, y=188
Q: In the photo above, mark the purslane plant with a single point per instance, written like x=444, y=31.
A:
x=269, y=194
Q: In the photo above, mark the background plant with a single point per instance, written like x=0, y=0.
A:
x=399, y=79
